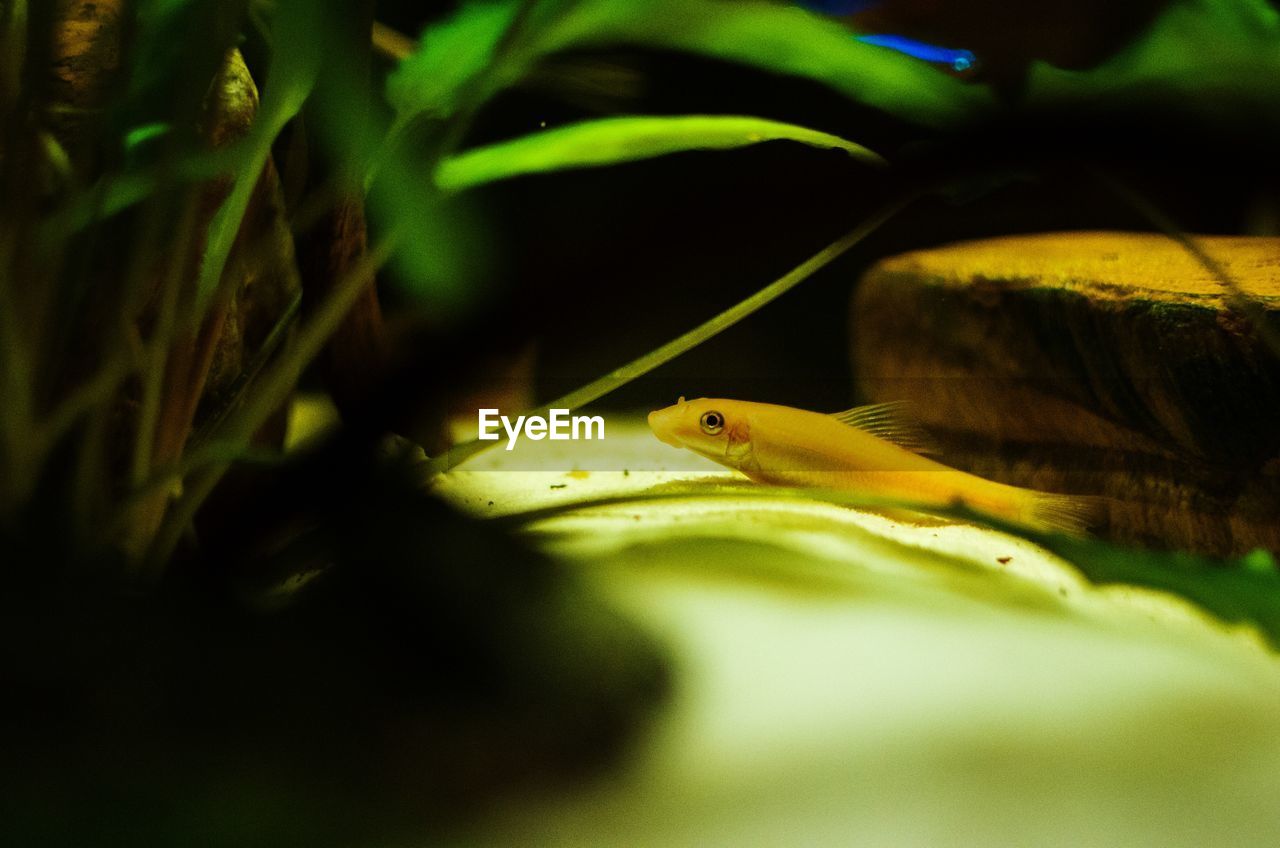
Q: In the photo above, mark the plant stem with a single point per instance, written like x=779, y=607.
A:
x=247, y=380
x=268, y=395
x=472, y=97
x=157, y=356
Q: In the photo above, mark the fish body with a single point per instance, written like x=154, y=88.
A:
x=866, y=449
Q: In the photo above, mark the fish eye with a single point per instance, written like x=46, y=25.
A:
x=711, y=422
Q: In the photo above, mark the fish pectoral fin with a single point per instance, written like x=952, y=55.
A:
x=891, y=422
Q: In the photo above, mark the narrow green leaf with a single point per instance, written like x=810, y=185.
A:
x=298, y=36
x=612, y=140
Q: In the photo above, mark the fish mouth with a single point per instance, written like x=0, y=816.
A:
x=658, y=424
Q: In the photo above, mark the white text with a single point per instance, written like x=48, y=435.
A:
x=559, y=427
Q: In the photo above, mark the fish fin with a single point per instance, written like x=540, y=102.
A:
x=891, y=422
x=1071, y=514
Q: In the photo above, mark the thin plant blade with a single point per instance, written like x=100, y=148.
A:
x=613, y=140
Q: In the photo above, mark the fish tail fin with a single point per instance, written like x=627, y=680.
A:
x=1071, y=514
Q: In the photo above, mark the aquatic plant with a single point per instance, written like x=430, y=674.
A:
x=178, y=250
x=462, y=63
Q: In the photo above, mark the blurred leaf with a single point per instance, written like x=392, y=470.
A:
x=177, y=49
x=785, y=40
x=299, y=36
x=611, y=140
x=488, y=46
x=451, y=54
x=440, y=256
x=1239, y=591
x=1244, y=590
x=1218, y=58
x=141, y=135
x=294, y=67
x=770, y=36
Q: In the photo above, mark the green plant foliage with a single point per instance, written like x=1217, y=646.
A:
x=440, y=255
x=295, y=67
x=1240, y=591
x=1212, y=56
x=612, y=140
x=488, y=46
x=786, y=40
x=1245, y=590
x=770, y=36
x=451, y=55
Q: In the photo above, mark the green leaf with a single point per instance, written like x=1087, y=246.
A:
x=1243, y=590
x=1236, y=591
x=301, y=41
x=451, y=54
x=1217, y=59
x=783, y=39
x=299, y=38
x=441, y=262
x=490, y=45
x=612, y=140
x=770, y=36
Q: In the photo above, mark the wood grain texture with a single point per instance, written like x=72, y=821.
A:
x=1094, y=362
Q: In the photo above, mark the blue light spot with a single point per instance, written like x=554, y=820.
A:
x=958, y=60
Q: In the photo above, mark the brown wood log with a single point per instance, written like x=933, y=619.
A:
x=85, y=64
x=1098, y=363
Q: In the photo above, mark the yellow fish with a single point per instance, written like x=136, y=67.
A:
x=872, y=449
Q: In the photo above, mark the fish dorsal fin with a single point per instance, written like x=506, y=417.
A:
x=891, y=422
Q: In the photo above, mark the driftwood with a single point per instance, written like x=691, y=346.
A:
x=1112, y=364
